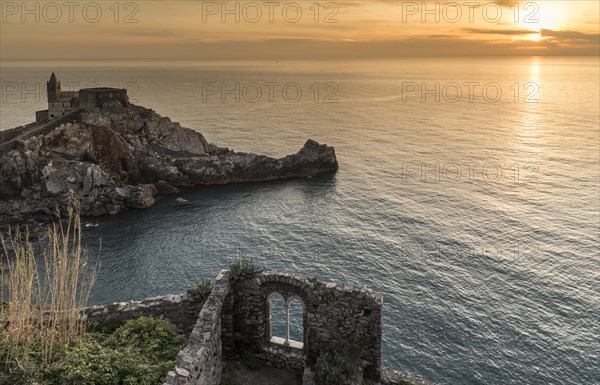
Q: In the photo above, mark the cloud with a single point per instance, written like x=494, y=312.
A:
x=475, y=3
x=368, y=29
x=556, y=43
x=571, y=36
x=442, y=46
x=506, y=32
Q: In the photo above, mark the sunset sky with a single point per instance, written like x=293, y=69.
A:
x=343, y=29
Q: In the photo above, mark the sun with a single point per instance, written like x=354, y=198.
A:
x=544, y=15
x=535, y=36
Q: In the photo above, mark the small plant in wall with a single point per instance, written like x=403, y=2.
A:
x=201, y=291
x=337, y=365
x=242, y=269
x=313, y=281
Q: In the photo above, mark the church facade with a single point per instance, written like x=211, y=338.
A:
x=61, y=103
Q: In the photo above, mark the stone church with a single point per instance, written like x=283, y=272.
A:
x=61, y=103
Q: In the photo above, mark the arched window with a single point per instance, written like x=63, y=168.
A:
x=277, y=317
x=286, y=321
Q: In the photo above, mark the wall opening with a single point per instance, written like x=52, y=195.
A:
x=277, y=317
x=286, y=321
x=296, y=311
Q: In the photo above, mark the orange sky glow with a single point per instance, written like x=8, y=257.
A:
x=295, y=29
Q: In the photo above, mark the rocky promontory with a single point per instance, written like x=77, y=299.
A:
x=118, y=157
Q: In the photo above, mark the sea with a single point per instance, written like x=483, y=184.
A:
x=468, y=194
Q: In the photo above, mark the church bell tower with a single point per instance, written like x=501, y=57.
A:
x=53, y=88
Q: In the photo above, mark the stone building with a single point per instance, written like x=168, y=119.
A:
x=90, y=98
x=61, y=103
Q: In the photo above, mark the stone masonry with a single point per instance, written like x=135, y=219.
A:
x=235, y=320
x=180, y=309
x=333, y=314
x=200, y=362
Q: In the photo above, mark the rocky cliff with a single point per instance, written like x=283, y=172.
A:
x=122, y=157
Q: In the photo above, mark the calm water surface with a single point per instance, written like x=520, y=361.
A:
x=477, y=219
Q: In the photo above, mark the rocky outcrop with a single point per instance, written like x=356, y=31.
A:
x=165, y=188
x=394, y=377
x=182, y=202
x=121, y=157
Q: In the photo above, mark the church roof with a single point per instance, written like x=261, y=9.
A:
x=53, y=78
x=66, y=96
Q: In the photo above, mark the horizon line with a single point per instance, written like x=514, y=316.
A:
x=299, y=59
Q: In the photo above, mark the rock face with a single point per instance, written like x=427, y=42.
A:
x=121, y=157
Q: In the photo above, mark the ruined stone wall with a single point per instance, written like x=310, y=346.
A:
x=340, y=313
x=334, y=314
x=180, y=309
x=200, y=362
x=234, y=320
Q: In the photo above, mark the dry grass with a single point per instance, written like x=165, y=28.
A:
x=43, y=294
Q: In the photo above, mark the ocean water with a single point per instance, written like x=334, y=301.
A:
x=476, y=215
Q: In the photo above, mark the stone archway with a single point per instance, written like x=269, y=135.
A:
x=287, y=339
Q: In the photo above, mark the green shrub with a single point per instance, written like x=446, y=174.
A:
x=155, y=338
x=90, y=362
x=106, y=327
x=201, y=291
x=242, y=269
x=252, y=361
x=85, y=362
x=139, y=352
x=336, y=365
x=11, y=357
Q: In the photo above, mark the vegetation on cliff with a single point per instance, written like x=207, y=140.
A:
x=140, y=352
x=242, y=269
x=336, y=365
x=43, y=338
x=42, y=290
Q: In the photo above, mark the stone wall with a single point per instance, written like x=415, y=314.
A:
x=90, y=98
x=180, y=309
x=200, y=362
x=41, y=116
x=24, y=133
x=333, y=314
x=235, y=320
